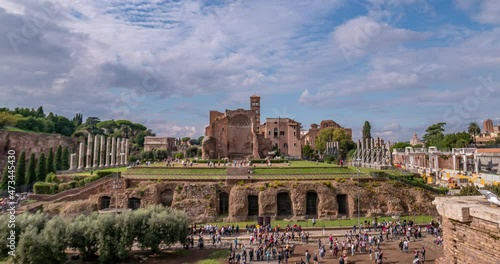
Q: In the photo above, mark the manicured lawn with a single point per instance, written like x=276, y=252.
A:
x=173, y=171
x=15, y=129
x=311, y=170
x=88, y=173
x=215, y=257
x=423, y=219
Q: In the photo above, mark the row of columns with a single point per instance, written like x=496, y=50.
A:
x=108, y=152
x=372, y=143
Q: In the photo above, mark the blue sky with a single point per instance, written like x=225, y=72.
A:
x=400, y=64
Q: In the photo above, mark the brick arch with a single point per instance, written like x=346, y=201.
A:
x=166, y=197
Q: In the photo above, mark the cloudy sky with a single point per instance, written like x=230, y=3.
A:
x=400, y=64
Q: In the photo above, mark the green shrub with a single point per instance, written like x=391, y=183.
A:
x=45, y=188
x=101, y=174
x=51, y=177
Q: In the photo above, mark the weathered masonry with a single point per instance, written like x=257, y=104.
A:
x=471, y=230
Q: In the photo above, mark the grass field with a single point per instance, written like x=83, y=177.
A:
x=422, y=219
x=88, y=173
x=215, y=257
x=179, y=171
x=307, y=170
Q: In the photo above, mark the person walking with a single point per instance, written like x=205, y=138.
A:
x=308, y=257
x=422, y=253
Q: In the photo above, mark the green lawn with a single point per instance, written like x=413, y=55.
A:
x=88, y=173
x=215, y=256
x=422, y=219
x=174, y=171
x=15, y=129
x=307, y=170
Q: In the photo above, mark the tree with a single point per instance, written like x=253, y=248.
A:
x=434, y=135
x=58, y=159
x=49, y=167
x=41, y=171
x=200, y=139
x=308, y=152
x=21, y=170
x=191, y=152
x=5, y=178
x=31, y=175
x=331, y=135
x=400, y=145
x=65, y=159
x=367, y=130
x=8, y=119
x=39, y=112
x=474, y=130
x=185, y=139
x=194, y=142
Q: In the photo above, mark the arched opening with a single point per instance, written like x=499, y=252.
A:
x=342, y=204
x=284, y=204
x=312, y=203
x=166, y=197
x=253, y=205
x=134, y=203
x=223, y=203
x=105, y=202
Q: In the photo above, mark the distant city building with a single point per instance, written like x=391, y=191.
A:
x=488, y=134
x=415, y=141
x=165, y=143
x=488, y=126
x=309, y=138
x=238, y=134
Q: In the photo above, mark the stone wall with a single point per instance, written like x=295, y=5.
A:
x=471, y=230
x=31, y=143
x=200, y=200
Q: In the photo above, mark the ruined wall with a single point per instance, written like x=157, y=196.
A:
x=31, y=143
x=200, y=200
x=471, y=230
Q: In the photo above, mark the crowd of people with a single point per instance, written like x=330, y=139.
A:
x=267, y=243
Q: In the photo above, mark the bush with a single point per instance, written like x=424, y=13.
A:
x=103, y=173
x=45, y=188
x=51, y=177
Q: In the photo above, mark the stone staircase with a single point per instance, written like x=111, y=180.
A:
x=79, y=193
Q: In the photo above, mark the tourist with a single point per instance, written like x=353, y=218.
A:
x=341, y=260
x=313, y=222
x=308, y=257
x=422, y=254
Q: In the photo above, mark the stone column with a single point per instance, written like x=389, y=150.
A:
x=89, y=151
x=117, y=152
x=454, y=162
x=465, y=163
x=358, y=144
x=126, y=151
x=80, y=156
x=101, y=153
x=113, y=151
x=122, y=152
x=72, y=161
x=108, y=153
x=373, y=143
x=96, y=152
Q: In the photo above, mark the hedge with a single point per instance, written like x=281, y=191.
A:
x=48, y=187
x=45, y=188
x=410, y=180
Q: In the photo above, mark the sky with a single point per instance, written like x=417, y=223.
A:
x=402, y=65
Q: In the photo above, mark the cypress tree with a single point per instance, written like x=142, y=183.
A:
x=5, y=177
x=49, y=167
x=65, y=159
x=31, y=175
x=21, y=169
x=58, y=161
x=41, y=171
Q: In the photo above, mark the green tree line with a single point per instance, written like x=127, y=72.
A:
x=103, y=237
